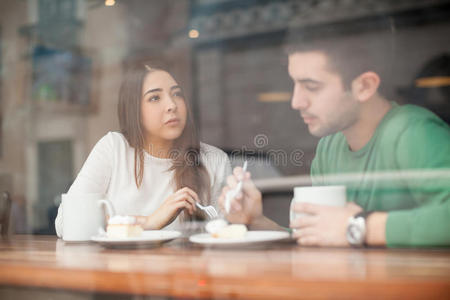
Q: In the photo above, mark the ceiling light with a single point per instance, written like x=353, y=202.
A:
x=274, y=97
x=193, y=34
x=431, y=82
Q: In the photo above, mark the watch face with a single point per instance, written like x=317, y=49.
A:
x=356, y=231
x=354, y=234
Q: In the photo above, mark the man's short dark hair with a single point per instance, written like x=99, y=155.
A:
x=350, y=50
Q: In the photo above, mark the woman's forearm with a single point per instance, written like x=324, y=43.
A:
x=150, y=222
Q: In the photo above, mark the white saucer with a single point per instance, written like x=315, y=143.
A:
x=251, y=238
x=148, y=238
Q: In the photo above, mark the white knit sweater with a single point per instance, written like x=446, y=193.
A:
x=109, y=170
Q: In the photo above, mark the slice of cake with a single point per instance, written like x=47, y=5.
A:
x=233, y=231
x=123, y=227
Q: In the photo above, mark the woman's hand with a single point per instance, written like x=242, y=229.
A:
x=183, y=199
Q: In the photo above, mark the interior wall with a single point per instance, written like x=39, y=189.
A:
x=14, y=93
x=230, y=78
x=105, y=38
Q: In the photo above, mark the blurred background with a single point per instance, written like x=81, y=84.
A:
x=62, y=61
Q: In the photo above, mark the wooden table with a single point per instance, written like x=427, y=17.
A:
x=179, y=269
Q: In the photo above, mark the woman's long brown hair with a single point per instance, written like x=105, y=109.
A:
x=188, y=168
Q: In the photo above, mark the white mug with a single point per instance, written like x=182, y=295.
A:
x=333, y=195
x=82, y=215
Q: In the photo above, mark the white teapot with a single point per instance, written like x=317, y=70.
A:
x=83, y=216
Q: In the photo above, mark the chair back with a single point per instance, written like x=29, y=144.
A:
x=5, y=212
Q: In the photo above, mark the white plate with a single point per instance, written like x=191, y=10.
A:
x=148, y=238
x=252, y=237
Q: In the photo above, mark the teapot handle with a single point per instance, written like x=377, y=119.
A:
x=109, y=207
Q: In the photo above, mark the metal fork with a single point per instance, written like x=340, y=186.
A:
x=234, y=192
x=209, y=210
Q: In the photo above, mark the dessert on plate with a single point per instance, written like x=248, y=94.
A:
x=220, y=228
x=232, y=231
x=123, y=227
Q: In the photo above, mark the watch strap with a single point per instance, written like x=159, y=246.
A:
x=364, y=214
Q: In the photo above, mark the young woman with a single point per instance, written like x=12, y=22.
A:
x=155, y=167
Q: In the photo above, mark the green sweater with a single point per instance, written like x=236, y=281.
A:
x=404, y=170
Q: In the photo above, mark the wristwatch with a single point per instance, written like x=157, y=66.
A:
x=357, y=229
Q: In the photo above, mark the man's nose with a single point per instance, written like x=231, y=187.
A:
x=299, y=100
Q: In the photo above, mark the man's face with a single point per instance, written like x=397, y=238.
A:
x=319, y=95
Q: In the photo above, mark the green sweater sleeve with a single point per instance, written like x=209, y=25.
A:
x=316, y=172
x=423, y=150
x=420, y=227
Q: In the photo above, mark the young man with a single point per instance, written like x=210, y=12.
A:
x=392, y=154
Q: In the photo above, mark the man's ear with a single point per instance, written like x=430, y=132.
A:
x=365, y=86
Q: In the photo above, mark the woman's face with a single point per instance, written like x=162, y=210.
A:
x=163, y=109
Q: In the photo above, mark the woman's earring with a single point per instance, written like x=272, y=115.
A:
x=148, y=68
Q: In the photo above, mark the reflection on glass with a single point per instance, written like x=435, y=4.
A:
x=287, y=85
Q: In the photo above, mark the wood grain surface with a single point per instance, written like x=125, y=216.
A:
x=180, y=269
